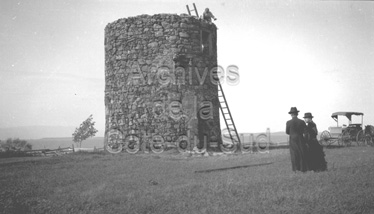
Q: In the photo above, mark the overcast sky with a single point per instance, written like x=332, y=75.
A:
x=315, y=55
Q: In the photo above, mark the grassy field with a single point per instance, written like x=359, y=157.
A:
x=175, y=183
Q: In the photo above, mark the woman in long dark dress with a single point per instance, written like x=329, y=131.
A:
x=315, y=155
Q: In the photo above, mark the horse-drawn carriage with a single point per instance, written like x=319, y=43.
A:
x=344, y=135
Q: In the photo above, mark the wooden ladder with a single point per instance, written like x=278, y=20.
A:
x=229, y=121
x=189, y=11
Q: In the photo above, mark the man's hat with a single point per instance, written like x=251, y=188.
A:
x=293, y=110
x=308, y=115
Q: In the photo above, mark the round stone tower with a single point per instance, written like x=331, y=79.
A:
x=161, y=82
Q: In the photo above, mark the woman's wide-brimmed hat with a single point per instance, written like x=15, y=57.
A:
x=308, y=115
x=293, y=110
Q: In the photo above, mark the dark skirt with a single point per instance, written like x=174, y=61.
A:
x=315, y=156
x=298, y=153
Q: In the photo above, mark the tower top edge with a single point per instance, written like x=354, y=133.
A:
x=172, y=17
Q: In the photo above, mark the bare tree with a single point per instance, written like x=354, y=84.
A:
x=85, y=130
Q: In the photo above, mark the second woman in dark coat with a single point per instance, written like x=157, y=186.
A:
x=315, y=155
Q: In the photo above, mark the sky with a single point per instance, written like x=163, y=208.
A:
x=317, y=56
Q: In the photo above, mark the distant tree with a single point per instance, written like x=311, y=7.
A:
x=85, y=130
x=15, y=145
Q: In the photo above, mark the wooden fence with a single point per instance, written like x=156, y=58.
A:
x=61, y=151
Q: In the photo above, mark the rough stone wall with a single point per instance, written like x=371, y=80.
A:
x=158, y=78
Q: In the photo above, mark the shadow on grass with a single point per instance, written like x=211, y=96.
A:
x=233, y=167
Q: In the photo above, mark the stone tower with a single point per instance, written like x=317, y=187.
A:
x=161, y=81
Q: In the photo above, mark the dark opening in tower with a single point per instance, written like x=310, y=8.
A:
x=206, y=43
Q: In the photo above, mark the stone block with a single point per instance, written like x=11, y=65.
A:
x=184, y=35
x=145, y=68
x=159, y=33
x=184, y=25
x=172, y=38
x=156, y=26
x=141, y=61
x=153, y=45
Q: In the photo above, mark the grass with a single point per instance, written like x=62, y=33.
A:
x=175, y=183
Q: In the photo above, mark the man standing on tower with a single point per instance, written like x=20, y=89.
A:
x=207, y=15
x=295, y=129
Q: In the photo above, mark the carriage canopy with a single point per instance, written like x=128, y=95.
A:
x=345, y=113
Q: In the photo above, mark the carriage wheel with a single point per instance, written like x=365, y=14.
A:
x=345, y=138
x=325, y=138
x=360, y=138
